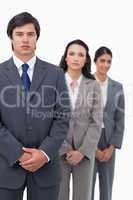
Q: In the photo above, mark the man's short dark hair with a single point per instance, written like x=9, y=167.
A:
x=22, y=19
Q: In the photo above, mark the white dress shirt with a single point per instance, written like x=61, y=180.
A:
x=104, y=90
x=73, y=93
x=30, y=62
x=18, y=63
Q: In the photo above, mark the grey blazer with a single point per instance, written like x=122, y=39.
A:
x=86, y=120
x=113, y=116
x=42, y=122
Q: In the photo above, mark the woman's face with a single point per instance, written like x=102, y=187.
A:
x=103, y=64
x=76, y=57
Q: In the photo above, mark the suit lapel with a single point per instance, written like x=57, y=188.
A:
x=109, y=93
x=14, y=78
x=38, y=75
x=81, y=94
x=12, y=73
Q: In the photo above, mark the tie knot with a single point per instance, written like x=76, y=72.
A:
x=25, y=67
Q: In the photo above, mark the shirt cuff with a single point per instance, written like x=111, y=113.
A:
x=45, y=155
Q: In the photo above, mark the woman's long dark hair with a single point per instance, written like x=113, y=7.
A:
x=86, y=70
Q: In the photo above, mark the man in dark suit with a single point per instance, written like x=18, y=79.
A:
x=34, y=117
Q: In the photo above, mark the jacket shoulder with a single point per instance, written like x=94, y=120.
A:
x=116, y=83
x=3, y=64
x=51, y=67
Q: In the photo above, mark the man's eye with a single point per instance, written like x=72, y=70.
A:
x=31, y=34
x=19, y=34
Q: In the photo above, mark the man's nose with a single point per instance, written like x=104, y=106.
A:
x=25, y=38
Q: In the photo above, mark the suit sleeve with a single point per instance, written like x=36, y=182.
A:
x=65, y=147
x=93, y=133
x=10, y=148
x=119, y=117
x=58, y=132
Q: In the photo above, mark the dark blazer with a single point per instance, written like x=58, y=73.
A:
x=113, y=115
x=40, y=122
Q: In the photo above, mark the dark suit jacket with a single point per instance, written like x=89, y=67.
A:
x=113, y=115
x=41, y=122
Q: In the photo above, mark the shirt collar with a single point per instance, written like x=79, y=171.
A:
x=19, y=62
x=101, y=82
x=69, y=79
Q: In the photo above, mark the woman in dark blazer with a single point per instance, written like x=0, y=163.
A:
x=77, y=151
x=112, y=126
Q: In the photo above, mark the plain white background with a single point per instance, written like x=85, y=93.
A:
x=98, y=23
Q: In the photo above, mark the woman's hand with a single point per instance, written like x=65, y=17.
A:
x=74, y=157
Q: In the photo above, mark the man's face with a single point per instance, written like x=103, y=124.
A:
x=24, y=40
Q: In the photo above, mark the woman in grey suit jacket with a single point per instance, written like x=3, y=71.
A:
x=112, y=126
x=77, y=151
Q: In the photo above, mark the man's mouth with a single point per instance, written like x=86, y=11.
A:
x=25, y=46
